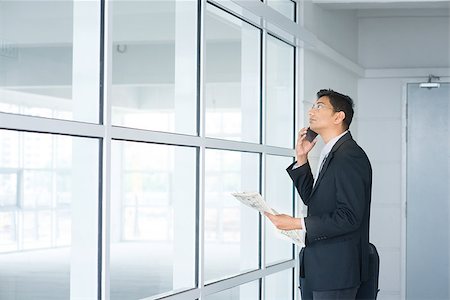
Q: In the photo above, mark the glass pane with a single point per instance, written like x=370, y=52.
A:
x=279, y=286
x=280, y=93
x=232, y=77
x=39, y=235
x=35, y=188
x=8, y=191
x=231, y=229
x=50, y=59
x=8, y=234
x=153, y=204
x=279, y=195
x=155, y=65
x=248, y=291
x=285, y=7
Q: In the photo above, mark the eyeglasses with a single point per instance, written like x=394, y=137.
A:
x=319, y=106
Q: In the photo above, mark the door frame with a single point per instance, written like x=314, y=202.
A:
x=404, y=153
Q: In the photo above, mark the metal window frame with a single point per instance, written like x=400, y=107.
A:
x=258, y=15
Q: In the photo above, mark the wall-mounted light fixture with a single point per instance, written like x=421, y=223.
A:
x=430, y=85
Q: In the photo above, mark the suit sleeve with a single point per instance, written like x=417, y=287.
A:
x=303, y=180
x=352, y=176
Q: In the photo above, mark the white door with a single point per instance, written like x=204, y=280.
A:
x=428, y=202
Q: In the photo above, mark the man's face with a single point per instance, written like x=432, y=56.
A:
x=322, y=115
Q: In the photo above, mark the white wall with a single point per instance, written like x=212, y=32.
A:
x=321, y=73
x=380, y=134
x=384, y=41
x=393, y=45
x=338, y=30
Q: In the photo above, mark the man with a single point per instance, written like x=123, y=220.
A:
x=335, y=259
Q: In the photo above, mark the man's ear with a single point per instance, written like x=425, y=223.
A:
x=339, y=117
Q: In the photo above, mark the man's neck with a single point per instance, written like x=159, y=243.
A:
x=329, y=135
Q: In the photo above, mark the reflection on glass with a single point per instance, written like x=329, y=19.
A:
x=279, y=196
x=285, y=7
x=231, y=229
x=48, y=213
x=248, y=291
x=279, y=285
x=232, y=77
x=154, y=65
x=49, y=59
x=152, y=219
x=280, y=93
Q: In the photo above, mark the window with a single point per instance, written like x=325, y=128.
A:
x=48, y=214
x=279, y=285
x=248, y=291
x=50, y=59
x=128, y=126
x=280, y=93
x=232, y=77
x=285, y=7
x=279, y=193
x=231, y=230
x=154, y=81
x=153, y=217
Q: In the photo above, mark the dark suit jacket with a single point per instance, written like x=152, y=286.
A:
x=337, y=224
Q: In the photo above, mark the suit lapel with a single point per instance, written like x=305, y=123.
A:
x=336, y=146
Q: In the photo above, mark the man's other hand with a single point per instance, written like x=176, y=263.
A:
x=284, y=222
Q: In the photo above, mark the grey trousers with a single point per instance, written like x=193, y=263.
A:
x=346, y=294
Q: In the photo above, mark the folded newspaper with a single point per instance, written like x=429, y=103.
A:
x=256, y=201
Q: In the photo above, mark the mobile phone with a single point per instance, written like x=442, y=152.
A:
x=310, y=135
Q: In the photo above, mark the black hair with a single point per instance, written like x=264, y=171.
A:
x=340, y=102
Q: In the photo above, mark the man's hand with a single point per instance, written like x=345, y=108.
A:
x=303, y=147
x=284, y=222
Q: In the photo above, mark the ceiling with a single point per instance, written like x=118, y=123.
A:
x=384, y=4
